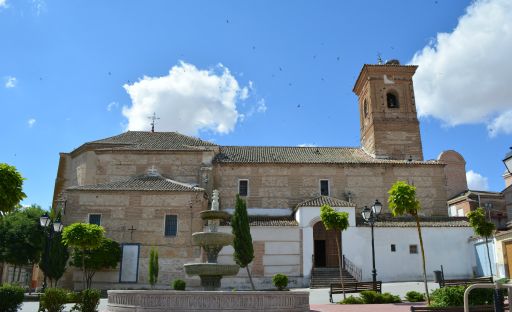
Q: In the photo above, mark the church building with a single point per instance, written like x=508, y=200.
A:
x=147, y=189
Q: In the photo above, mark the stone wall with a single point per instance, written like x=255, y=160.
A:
x=145, y=211
x=286, y=185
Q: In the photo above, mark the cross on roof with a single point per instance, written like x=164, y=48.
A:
x=153, y=118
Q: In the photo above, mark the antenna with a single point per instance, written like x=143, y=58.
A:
x=153, y=119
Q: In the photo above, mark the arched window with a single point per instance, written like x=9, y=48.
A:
x=392, y=100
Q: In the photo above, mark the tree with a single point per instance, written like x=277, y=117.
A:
x=21, y=237
x=153, y=267
x=242, y=242
x=402, y=200
x=483, y=228
x=337, y=221
x=11, y=193
x=83, y=237
x=106, y=256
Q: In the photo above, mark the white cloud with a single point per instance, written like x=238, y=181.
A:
x=262, y=107
x=39, y=6
x=112, y=105
x=31, y=122
x=476, y=181
x=3, y=4
x=307, y=145
x=10, y=82
x=464, y=76
x=502, y=123
x=187, y=100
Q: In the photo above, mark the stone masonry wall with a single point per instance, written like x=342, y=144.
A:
x=145, y=211
x=285, y=185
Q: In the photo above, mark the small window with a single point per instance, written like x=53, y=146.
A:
x=393, y=247
x=243, y=187
x=392, y=100
x=365, y=108
x=413, y=249
x=95, y=219
x=171, y=225
x=324, y=187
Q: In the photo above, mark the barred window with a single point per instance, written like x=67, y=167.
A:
x=95, y=219
x=243, y=187
x=171, y=225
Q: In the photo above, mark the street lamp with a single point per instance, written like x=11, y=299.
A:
x=508, y=161
x=51, y=227
x=370, y=216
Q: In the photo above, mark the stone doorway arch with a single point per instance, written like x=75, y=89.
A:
x=325, y=253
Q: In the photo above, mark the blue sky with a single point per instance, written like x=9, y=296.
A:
x=247, y=73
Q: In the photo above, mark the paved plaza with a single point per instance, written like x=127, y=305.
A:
x=318, y=299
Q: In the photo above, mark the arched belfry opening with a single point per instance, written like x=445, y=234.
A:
x=325, y=253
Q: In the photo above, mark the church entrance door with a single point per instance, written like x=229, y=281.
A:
x=325, y=252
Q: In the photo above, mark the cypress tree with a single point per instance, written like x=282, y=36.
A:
x=153, y=267
x=242, y=242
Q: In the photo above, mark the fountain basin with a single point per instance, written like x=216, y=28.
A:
x=212, y=239
x=193, y=301
x=214, y=215
x=211, y=269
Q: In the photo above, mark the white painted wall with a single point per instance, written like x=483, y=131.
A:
x=447, y=246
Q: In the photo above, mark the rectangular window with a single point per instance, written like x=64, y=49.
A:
x=95, y=219
x=171, y=225
x=413, y=249
x=393, y=247
x=324, y=187
x=243, y=187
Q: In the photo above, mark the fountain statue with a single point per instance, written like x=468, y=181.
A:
x=212, y=242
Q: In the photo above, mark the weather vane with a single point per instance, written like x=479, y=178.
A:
x=153, y=118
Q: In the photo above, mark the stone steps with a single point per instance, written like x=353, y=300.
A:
x=323, y=277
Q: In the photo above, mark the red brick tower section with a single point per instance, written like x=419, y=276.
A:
x=387, y=109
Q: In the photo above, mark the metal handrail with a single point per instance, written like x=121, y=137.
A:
x=351, y=268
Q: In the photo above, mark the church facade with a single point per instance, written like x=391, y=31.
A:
x=147, y=189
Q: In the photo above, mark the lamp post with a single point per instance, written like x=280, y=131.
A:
x=508, y=161
x=370, y=216
x=51, y=227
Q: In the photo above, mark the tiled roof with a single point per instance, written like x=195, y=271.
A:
x=325, y=200
x=434, y=221
x=304, y=155
x=469, y=193
x=268, y=221
x=141, y=183
x=145, y=140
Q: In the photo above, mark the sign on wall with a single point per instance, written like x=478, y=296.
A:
x=129, y=271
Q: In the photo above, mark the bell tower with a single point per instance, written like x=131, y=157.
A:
x=387, y=111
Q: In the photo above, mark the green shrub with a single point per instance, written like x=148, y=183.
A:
x=11, y=297
x=414, y=296
x=352, y=300
x=454, y=296
x=178, y=284
x=280, y=281
x=73, y=297
x=53, y=300
x=372, y=297
x=389, y=298
x=87, y=301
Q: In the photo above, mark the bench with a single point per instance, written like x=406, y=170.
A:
x=478, y=308
x=465, y=282
x=354, y=287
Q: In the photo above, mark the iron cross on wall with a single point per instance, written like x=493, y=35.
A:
x=131, y=233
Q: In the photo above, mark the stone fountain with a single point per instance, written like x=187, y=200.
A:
x=210, y=299
x=212, y=242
